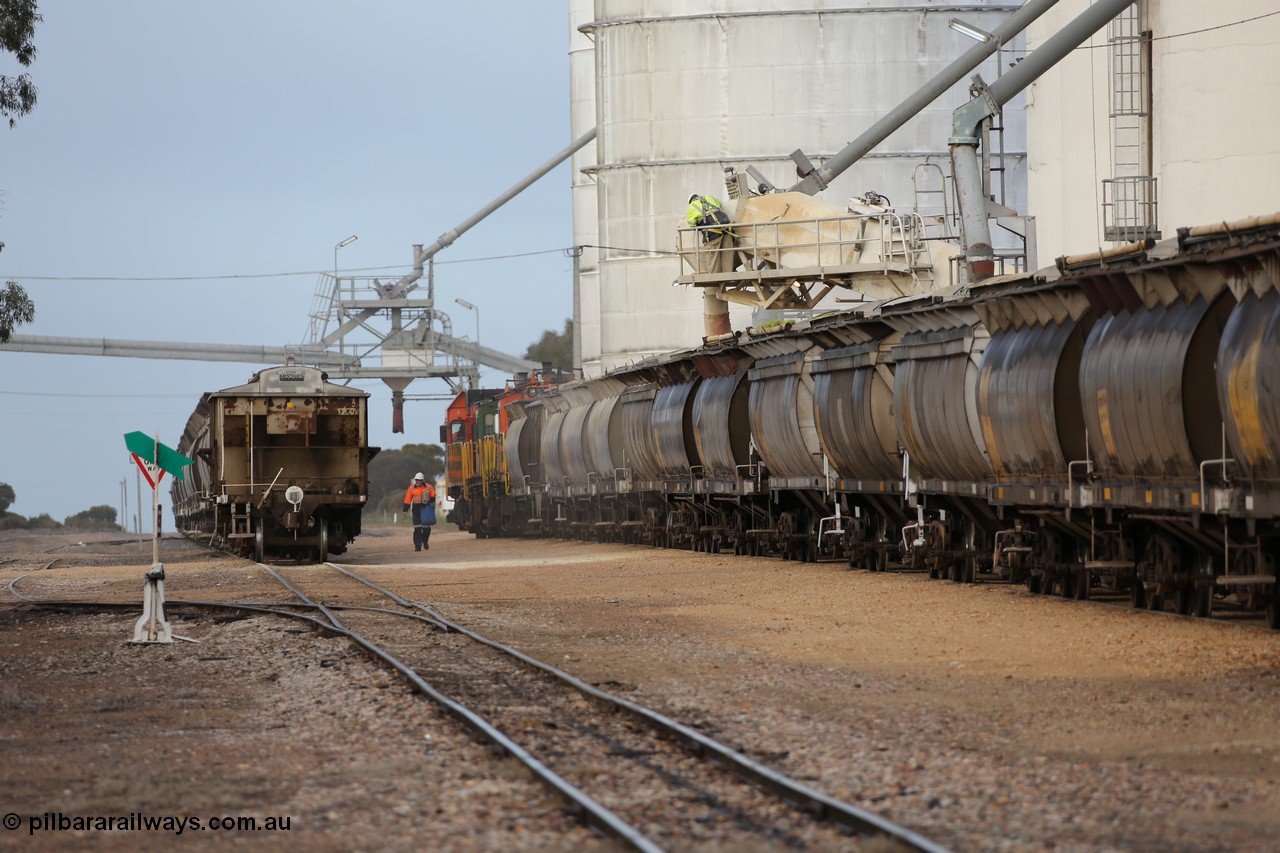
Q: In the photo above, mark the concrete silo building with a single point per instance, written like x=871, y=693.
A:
x=681, y=91
x=1164, y=119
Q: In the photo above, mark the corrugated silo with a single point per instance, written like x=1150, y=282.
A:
x=684, y=90
x=582, y=117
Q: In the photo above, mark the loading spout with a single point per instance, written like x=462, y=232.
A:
x=987, y=101
x=715, y=314
x=818, y=178
x=420, y=256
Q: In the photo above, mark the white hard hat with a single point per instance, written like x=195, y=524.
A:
x=692, y=197
x=419, y=476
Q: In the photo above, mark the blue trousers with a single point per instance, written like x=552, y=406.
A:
x=421, y=529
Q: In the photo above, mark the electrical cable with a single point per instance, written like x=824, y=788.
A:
x=100, y=396
x=248, y=276
x=1171, y=35
x=624, y=249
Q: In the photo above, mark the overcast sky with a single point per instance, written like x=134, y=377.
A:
x=183, y=142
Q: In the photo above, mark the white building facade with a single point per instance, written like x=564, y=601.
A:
x=1166, y=118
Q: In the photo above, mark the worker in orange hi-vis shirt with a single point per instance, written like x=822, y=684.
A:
x=421, y=496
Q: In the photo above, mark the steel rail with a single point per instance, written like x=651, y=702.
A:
x=593, y=813
x=851, y=817
x=820, y=805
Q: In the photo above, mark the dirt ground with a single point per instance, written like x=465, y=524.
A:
x=982, y=716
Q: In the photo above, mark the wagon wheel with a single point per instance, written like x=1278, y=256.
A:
x=1163, y=558
x=969, y=560
x=1202, y=598
x=1245, y=562
x=1155, y=599
x=323, y=546
x=1016, y=566
x=259, y=543
x=651, y=527
x=1204, y=602
x=786, y=527
x=1048, y=555
x=732, y=533
x=1083, y=580
x=1183, y=600
x=860, y=555
x=880, y=540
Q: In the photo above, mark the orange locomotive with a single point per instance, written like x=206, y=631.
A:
x=474, y=435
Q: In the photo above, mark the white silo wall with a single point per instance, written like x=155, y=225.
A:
x=683, y=90
x=582, y=117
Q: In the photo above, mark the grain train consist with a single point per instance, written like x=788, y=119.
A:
x=1112, y=422
x=282, y=466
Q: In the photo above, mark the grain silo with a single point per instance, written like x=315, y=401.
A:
x=680, y=91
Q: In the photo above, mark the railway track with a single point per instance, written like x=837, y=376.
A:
x=629, y=771
x=1224, y=611
x=352, y=604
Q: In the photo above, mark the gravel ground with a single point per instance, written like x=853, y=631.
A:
x=984, y=717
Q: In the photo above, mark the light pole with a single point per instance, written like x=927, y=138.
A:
x=465, y=304
x=346, y=242
x=978, y=34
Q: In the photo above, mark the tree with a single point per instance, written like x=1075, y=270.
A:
x=16, y=307
x=18, y=21
x=7, y=497
x=554, y=348
x=391, y=471
x=94, y=518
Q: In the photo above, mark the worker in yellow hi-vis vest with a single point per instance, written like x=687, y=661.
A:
x=706, y=210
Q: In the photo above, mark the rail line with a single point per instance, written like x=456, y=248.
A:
x=1223, y=612
x=660, y=755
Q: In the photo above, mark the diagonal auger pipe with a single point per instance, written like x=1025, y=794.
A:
x=967, y=122
x=421, y=256
x=818, y=178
